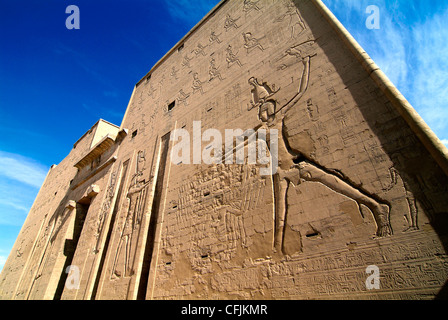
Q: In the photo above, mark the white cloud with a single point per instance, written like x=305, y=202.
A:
x=20, y=180
x=2, y=262
x=430, y=87
x=22, y=169
x=14, y=205
x=445, y=142
x=413, y=56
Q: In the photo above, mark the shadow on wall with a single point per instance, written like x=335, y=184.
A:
x=425, y=183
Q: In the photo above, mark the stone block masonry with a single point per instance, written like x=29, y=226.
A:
x=360, y=183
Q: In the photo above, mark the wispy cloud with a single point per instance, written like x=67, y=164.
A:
x=24, y=170
x=20, y=180
x=411, y=49
x=110, y=94
x=430, y=87
x=189, y=11
x=2, y=262
x=15, y=205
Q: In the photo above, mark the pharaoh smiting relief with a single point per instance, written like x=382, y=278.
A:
x=294, y=166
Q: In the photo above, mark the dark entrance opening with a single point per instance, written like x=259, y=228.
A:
x=71, y=244
x=149, y=248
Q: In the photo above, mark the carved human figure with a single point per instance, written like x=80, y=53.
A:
x=231, y=57
x=214, y=37
x=295, y=168
x=214, y=71
x=174, y=73
x=199, y=50
x=104, y=211
x=291, y=12
x=152, y=92
x=197, y=84
x=133, y=218
x=230, y=23
x=250, y=42
x=186, y=61
x=411, y=215
x=250, y=5
x=182, y=97
x=413, y=192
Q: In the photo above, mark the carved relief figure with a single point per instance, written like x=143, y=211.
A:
x=186, y=61
x=230, y=22
x=104, y=211
x=213, y=71
x=250, y=42
x=141, y=99
x=231, y=57
x=182, y=97
x=291, y=13
x=199, y=50
x=197, y=84
x=413, y=193
x=250, y=5
x=136, y=194
x=411, y=216
x=152, y=91
x=295, y=168
x=261, y=99
x=214, y=37
x=174, y=73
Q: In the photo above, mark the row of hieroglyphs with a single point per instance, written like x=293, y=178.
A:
x=249, y=42
x=407, y=265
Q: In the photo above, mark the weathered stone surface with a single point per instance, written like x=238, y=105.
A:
x=361, y=180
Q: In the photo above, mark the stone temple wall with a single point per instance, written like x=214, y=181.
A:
x=360, y=186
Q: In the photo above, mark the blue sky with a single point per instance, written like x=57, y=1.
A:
x=56, y=83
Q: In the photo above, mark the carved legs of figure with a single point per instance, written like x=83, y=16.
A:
x=381, y=211
x=306, y=171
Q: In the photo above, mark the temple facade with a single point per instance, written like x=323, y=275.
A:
x=265, y=156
